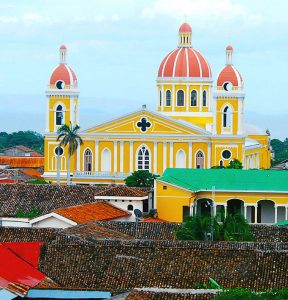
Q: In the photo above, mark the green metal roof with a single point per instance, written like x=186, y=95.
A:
x=227, y=179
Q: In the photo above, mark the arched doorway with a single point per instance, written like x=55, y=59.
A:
x=266, y=211
x=180, y=159
x=87, y=160
x=204, y=207
x=106, y=160
x=235, y=206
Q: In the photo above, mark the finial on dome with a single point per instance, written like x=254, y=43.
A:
x=185, y=35
x=229, y=52
x=63, y=53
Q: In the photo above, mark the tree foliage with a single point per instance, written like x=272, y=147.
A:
x=233, y=164
x=28, y=214
x=280, y=150
x=233, y=228
x=140, y=178
x=30, y=139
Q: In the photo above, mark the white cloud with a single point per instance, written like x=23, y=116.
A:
x=195, y=9
x=8, y=19
x=35, y=18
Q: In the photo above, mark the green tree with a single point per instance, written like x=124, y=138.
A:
x=140, y=178
x=233, y=228
x=68, y=136
x=235, y=164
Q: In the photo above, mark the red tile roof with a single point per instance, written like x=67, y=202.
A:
x=25, y=149
x=32, y=172
x=123, y=191
x=92, y=212
x=22, y=161
x=17, y=267
x=151, y=220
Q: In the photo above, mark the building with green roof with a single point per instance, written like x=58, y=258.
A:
x=260, y=195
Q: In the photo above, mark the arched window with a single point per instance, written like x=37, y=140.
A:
x=160, y=98
x=88, y=160
x=59, y=115
x=204, y=99
x=143, y=161
x=227, y=117
x=106, y=160
x=130, y=207
x=180, y=98
x=193, y=98
x=199, y=160
x=180, y=159
x=168, y=98
x=221, y=163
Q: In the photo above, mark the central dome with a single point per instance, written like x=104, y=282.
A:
x=185, y=61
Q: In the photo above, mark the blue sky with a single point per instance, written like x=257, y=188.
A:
x=115, y=48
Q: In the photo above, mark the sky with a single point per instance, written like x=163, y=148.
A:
x=116, y=46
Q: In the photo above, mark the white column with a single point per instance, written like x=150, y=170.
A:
x=286, y=212
x=72, y=119
x=256, y=213
x=155, y=157
x=209, y=156
x=200, y=98
x=47, y=114
x=121, y=156
x=209, y=98
x=115, y=156
x=78, y=159
x=164, y=155
x=187, y=97
x=276, y=212
x=190, y=156
x=171, y=154
x=96, y=156
x=173, y=97
x=245, y=211
x=131, y=153
x=162, y=97
x=225, y=210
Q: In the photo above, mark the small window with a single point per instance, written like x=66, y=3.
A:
x=227, y=115
x=58, y=151
x=199, y=160
x=193, y=98
x=143, y=159
x=168, y=98
x=59, y=115
x=180, y=98
x=204, y=100
x=130, y=207
x=226, y=154
x=87, y=160
x=164, y=187
x=221, y=163
x=160, y=98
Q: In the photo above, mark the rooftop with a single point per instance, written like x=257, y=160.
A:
x=196, y=180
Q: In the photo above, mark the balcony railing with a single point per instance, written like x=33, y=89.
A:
x=89, y=174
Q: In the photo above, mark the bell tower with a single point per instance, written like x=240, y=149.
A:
x=62, y=95
x=229, y=99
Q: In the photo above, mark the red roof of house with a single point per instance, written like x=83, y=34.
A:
x=22, y=162
x=123, y=191
x=32, y=172
x=25, y=149
x=153, y=220
x=92, y=212
x=18, y=263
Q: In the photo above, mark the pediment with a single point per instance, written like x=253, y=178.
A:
x=146, y=122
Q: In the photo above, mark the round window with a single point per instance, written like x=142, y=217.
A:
x=227, y=86
x=60, y=84
x=226, y=154
x=59, y=151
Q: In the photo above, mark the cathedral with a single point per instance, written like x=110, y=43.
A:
x=199, y=123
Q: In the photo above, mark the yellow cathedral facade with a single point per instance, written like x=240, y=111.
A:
x=199, y=123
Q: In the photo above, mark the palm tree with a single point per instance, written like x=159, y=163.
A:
x=68, y=135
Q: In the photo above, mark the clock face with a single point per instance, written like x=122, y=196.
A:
x=60, y=84
x=228, y=86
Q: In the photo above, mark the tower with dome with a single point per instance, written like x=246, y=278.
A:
x=199, y=122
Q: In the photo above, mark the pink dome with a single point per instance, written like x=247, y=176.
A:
x=184, y=62
x=65, y=73
x=63, y=47
x=229, y=48
x=230, y=74
x=185, y=27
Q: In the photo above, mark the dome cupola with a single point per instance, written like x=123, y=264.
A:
x=229, y=77
x=184, y=61
x=63, y=77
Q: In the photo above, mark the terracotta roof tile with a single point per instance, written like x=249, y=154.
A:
x=153, y=220
x=22, y=161
x=97, y=211
x=123, y=190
